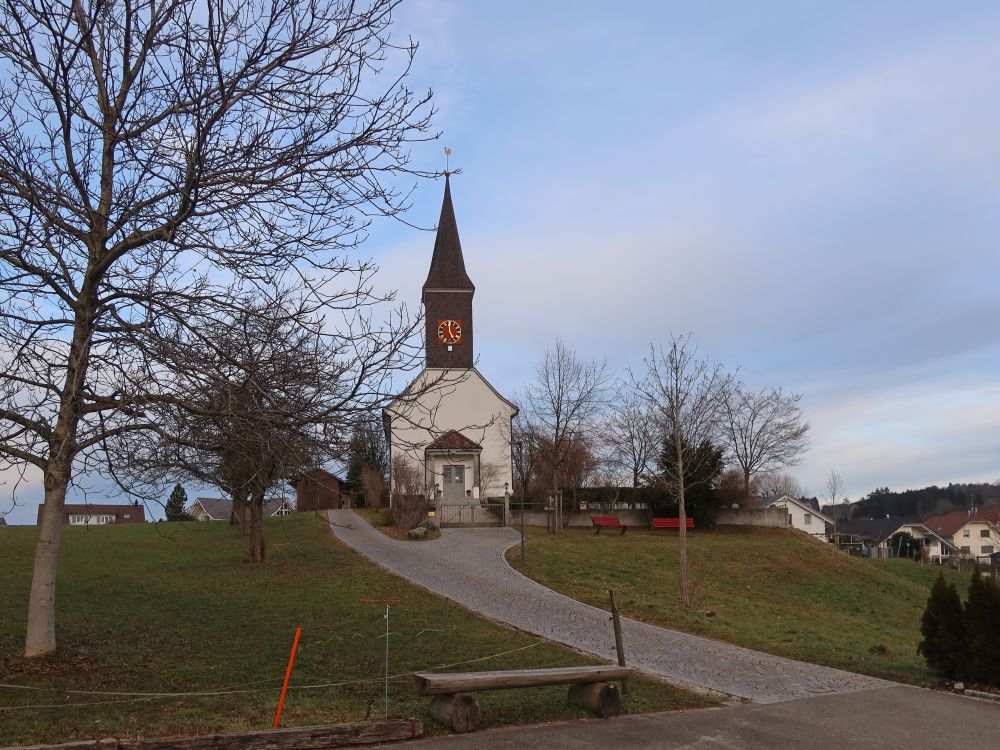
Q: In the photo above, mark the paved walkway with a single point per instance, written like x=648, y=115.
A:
x=894, y=718
x=468, y=567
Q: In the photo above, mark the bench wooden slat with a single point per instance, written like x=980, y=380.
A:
x=430, y=683
x=605, y=521
x=672, y=523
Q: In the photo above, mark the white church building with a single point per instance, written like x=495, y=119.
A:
x=450, y=425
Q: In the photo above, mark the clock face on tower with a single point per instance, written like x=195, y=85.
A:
x=450, y=331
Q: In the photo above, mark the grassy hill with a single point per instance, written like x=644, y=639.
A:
x=774, y=590
x=172, y=608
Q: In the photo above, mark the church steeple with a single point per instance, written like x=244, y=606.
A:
x=447, y=264
x=447, y=296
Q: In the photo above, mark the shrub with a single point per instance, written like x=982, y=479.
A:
x=982, y=630
x=408, y=511
x=943, y=628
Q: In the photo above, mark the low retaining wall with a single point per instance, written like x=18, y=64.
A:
x=580, y=518
x=777, y=517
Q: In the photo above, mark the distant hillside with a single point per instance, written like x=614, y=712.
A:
x=928, y=501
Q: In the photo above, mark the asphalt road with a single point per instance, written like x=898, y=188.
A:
x=906, y=718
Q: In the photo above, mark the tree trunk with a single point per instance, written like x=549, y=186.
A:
x=459, y=711
x=682, y=519
x=41, y=634
x=257, y=530
x=746, y=488
x=238, y=515
x=40, y=637
x=602, y=699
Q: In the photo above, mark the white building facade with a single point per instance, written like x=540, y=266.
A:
x=803, y=517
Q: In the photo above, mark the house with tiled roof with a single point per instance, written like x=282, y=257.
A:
x=450, y=427
x=220, y=509
x=873, y=537
x=975, y=532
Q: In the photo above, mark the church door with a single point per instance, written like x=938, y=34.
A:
x=454, y=483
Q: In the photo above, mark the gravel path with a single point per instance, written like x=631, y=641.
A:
x=468, y=567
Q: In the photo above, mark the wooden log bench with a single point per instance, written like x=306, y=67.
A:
x=607, y=522
x=671, y=523
x=590, y=688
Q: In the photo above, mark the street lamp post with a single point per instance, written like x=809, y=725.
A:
x=520, y=469
x=506, y=503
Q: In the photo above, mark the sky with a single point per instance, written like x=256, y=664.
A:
x=811, y=189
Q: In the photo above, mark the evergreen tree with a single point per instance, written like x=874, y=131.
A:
x=982, y=630
x=703, y=468
x=176, y=504
x=943, y=628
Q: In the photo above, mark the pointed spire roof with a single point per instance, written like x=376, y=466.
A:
x=447, y=264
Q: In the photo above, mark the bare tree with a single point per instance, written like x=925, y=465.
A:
x=262, y=395
x=834, y=488
x=409, y=506
x=563, y=404
x=489, y=478
x=148, y=150
x=688, y=396
x=778, y=483
x=373, y=486
x=524, y=448
x=765, y=430
x=629, y=438
x=729, y=488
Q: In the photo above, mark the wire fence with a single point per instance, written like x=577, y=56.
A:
x=255, y=686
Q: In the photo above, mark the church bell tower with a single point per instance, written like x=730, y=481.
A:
x=447, y=296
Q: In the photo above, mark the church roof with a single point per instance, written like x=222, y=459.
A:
x=453, y=440
x=447, y=264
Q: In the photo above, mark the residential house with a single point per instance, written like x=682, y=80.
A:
x=974, y=532
x=99, y=515
x=802, y=515
x=220, y=509
x=873, y=537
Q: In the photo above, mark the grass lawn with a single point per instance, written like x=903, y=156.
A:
x=174, y=608
x=770, y=589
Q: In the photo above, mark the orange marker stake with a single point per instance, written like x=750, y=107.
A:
x=288, y=674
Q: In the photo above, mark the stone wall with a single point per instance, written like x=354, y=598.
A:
x=581, y=518
x=777, y=517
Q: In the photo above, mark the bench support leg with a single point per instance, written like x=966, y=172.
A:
x=602, y=699
x=597, y=533
x=625, y=528
x=459, y=711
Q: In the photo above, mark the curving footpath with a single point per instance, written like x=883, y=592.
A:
x=468, y=566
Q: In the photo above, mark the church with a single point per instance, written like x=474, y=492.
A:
x=450, y=426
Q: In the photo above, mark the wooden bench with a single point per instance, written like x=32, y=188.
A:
x=590, y=688
x=607, y=522
x=672, y=523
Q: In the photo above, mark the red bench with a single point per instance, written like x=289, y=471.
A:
x=607, y=522
x=672, y=523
